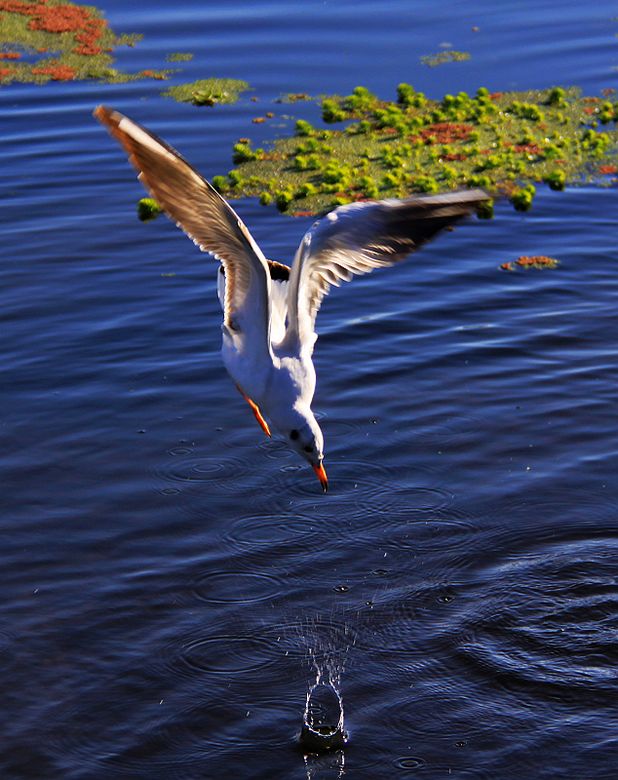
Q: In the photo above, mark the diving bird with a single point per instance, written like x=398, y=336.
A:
x=269, y=309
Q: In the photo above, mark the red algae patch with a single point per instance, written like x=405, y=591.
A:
x=87, y=29
x=56, y=72
x=445, y=132
x=78, y=36
x=538, y=262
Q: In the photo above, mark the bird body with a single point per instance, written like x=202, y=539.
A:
x=282, y=383
x=269, y=309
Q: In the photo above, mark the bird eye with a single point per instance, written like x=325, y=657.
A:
x=308, y=448
x=294, y=434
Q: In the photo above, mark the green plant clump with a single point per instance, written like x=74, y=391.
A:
x=503, y=142
x=556, y=180
x=147, y=209
x=522, y=198
x=442, y=57
x=208, y=92
x=179, y=56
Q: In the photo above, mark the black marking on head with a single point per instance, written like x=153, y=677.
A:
x=278, y=271
x=294, y=434
x=222, y=270
x=308, y=448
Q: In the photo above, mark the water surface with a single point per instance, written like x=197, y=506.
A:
x=170, y=578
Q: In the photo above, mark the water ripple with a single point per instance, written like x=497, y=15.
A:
x=324, y=641
x=214, y=469
x=271, y=530
x=410, y=762
x=224, y=654
x=450, y=531
x=234, y=587
x=398, y=616
x=548, y=619
x=364, y=504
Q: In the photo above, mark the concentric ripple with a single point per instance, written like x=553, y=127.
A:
x=350, y=477
x=217, y=469
x=230, y=654
x=433, y=533
x=270, y=530
x=450, y=530
x=364, y=504
x=233, y=587
x=275, y=449
x=199, y=477
x=410, y=762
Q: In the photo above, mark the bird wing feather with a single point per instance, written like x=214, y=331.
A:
x=357, y=238
x=209, y=221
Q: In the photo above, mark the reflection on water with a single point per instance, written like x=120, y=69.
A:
x=173, y=582
x=329, y=766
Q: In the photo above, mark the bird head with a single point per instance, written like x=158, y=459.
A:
x=305, y=437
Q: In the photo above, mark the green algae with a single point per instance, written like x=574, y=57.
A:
x=294, y=97
x=208, y=92
x=442, y=57
x=53, y=40
x=179, y=56
x=148, y=209
x=503, y=142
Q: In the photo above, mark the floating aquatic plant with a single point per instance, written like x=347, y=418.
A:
x=179, y=56
x=147, y=209
x=538, y=262
x=294, y=97
x=505, y=142
x=442, y=57
x=208, y=92
x=52, y=40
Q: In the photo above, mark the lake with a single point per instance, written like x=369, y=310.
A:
x=172, y=581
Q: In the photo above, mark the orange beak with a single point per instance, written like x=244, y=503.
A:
x=321, y=475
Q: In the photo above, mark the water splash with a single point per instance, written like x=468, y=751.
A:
x=322, y=728
x=323, y=721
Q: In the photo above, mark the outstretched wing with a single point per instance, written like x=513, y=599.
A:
x=209, y=221
x=357, y=238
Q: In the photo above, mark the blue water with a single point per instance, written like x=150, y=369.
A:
x=170, y=578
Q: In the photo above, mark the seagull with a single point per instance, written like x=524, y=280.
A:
x=269, y=309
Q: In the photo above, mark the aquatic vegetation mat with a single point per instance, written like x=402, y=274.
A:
x=179, y=56
x=208, y=92
x=442, y=57
x=537, y=262
x=504, y=142
x=147, y=209
x=51, y=40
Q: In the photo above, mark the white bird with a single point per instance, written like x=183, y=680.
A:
x=269, y=309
